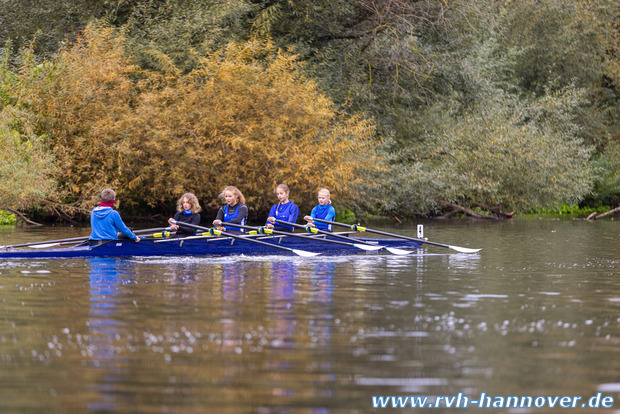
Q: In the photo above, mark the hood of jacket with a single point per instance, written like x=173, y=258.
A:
x=102, y=212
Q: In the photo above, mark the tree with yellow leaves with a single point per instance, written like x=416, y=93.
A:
x=245, y=116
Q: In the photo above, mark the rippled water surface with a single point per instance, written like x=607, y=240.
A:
x=536, y=312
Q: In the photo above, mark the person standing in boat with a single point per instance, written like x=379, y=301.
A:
x=285, y=210
x=188, y=211
x=106, y=222
x=324, y=211
x=235, y=210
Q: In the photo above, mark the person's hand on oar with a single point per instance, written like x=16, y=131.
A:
x=234, y=211
x=284, y=210
x=249, y=240
x=310, y=221
x=358, y=243
x=352, y=243
x=323, y=210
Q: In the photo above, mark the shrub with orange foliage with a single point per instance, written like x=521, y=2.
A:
x=246, y=117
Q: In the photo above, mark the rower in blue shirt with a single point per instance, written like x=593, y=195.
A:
x=235, y=210
x=106, y=222
x=285, y=210
x=324, y=211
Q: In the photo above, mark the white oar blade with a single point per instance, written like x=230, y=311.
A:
x=367, y=247
x=43, y=246
x=304, y=253
x=399, y=252
x=464, y=249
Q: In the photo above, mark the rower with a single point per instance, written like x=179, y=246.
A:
x=285, y=210
x=323, y=211
x=106, y=222
x=235, y=210
x=188, y=209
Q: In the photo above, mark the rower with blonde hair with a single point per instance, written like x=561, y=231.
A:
x=235, y=210
x=285, y=210
x=324, y=211
x=188, y=211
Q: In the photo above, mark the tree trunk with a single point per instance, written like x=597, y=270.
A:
x=21, y=216
x=469, y=212
x=613, y=211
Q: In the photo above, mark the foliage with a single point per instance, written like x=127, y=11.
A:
x=182, y=30
x=246, y=116
x=607, y=185
x=493, y=150
x=345, y=216
x=473, y=102
x=25, y=164
x=56, y=22
x=80, y=99
x=562, y=209
x=7, y=218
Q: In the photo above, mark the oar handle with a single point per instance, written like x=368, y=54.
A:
x=156, y=229
x=265, y=230
x=328, y=233
x=193, y=226
x=299, y=226
x=309, y=229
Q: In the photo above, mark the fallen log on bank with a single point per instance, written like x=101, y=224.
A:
x=596, y=216
x=21, y=216
x=455, y=208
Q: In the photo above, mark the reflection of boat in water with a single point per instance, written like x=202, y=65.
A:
x=103, y=327
x=213, y=246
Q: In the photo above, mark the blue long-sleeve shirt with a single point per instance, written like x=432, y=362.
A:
x=106, y=223
x=285, y=212
x=326, y=212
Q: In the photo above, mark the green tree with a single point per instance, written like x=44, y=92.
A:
x=487, y=147
x=26, y=167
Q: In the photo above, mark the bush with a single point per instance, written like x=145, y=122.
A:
x=7, y=218
x=246, y=116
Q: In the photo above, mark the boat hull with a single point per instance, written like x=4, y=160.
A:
x=210, y=246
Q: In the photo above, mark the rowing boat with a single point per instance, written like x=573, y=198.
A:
x=211, y=246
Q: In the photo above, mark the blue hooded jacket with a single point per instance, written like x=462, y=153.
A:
x=106, y=222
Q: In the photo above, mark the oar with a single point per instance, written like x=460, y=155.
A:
x=216, y=232
x=74, y=240
x=356, y=227
x=164, y=235
x=359, y=243
x=265, y=230
x=51, y=242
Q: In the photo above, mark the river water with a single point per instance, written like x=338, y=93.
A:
x=536, y=313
